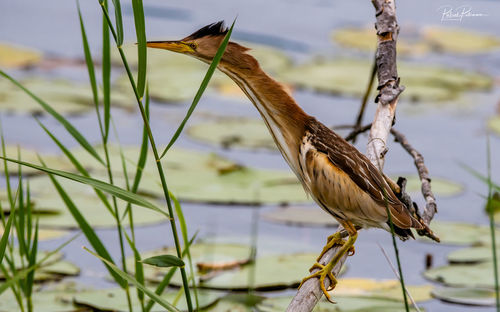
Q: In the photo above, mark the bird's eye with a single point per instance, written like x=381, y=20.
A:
x=192, y=45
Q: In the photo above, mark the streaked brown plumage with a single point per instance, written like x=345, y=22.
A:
x=340, y=179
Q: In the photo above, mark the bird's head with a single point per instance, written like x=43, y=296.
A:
x=203, y=45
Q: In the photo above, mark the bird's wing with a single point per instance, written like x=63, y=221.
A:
x=361, y=171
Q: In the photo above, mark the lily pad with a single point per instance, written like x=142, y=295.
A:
x=472, y=255
x=234, y=133
x=462, y=41
x=200, y=253
x=466, y=295
x=424, y=83
x=344, y=304
x=43, y=234
x=300, y=216
x=494, y=125
x=12, y=56
x=53, y=301
x=202, y=177
x=115, y=299
x=53, y=268
x=365, y=39
x=30, y=155
x=440, y=186
x=387, y=289
x=457, y=233
x=64, y=96
x=87, y=202
x=462, y=275
x=271, y=271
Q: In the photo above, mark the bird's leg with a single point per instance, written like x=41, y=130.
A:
x=326, y=270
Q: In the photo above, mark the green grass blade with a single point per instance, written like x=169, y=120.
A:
x=119, y=22
x=30, y=279
x=87, y=230
x=77, y=165
x=88, y=58
x=141, y=162
x=481, y=177
x=164, y=261
x=139, y=270
x=106, y=74
x=5, y=236
x=203, y=86
x=184, y=231
x=166, y=279
x=133, y=281
x=140, y=30
x=65, y=123
x=492, y=223
x=23, y=273
x=103, y=186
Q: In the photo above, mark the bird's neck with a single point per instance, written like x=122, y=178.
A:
x=283, y=117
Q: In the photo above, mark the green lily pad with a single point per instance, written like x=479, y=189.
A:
x=200, y=253
x=300, y=216
x=87, y=202
x=472, y=255
x=462, y=275
x=53, y=268
x=440, y=186
x=30, y=155
x=236, y=303
x=494, y=125
x=271, y=271
x=234, y=133
x=64, y=96
x=457, y=233
x=365, y=39
x=344, y=304
x=43, y=234
x=424, y=83
x=12, y=56
x=53, y=301
x=203, y=177
x=466, y=295
x=174, y=77
x=115, y=299
x=462, y=41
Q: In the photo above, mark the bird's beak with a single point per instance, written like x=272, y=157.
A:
x=174, y=46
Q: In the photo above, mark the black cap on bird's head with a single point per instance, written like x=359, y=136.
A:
x=203, y=44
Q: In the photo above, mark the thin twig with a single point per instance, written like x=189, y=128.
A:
x=423, y=173
x=361, y=112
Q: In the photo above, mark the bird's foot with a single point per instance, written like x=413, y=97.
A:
x=332, y=240
x=323, y=272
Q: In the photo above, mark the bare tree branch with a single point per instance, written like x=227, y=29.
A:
x=388, y=80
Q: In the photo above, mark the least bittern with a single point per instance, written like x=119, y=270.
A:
x=341, y=180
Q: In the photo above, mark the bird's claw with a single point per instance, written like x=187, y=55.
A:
x=332, y=240
x=323, y=272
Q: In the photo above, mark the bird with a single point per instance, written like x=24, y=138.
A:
x=340, y=179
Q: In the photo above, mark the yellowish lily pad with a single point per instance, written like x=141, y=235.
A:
x=12, y=56
x=456, y=40
x=424, y=83
x=365, y=39
x=494, y=125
